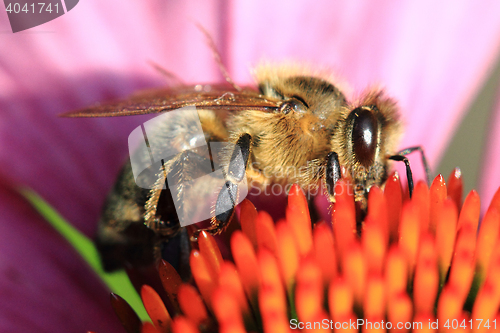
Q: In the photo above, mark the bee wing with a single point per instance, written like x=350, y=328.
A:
x=154, y=101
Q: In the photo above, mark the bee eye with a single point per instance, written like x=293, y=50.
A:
x=364, y=135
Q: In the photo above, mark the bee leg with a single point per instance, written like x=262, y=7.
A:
x=224, y=206
x=313, y=210
x=167, y=200
x=176, y=252
x=333, y=173
x=237, y=167
x=228, y=196
x=410, y=150
x=409, y=175
x=332, y=176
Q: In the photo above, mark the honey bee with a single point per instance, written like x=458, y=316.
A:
x=295, y=127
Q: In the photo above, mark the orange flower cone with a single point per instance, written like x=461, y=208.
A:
x=419, y=265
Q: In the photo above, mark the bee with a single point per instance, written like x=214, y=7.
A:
x=295, y=127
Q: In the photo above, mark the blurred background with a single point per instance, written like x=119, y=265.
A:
x=468, y=144
x=439, y=60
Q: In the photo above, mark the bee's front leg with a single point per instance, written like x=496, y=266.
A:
x=401, y=157
x=228, y=196
x=333, y=174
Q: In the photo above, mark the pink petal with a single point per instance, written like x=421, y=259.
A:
x=431, y=56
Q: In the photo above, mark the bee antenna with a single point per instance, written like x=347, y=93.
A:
x=171, y=77
x=217, y=57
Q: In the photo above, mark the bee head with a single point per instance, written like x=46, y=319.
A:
x=365, y=137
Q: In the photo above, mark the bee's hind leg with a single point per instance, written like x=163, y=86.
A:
x=228, y=196
x=313, y=210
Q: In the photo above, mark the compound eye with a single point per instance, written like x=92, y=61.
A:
x=364, y=135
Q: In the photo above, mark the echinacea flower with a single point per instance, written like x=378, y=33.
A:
x=431, y=57
x=420, y=264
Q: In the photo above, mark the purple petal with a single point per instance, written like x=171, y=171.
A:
x=44, y=284
x=93, y=53
x=77, y=65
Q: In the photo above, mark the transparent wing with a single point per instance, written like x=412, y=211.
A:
x=173, y=153
x=210, y=97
